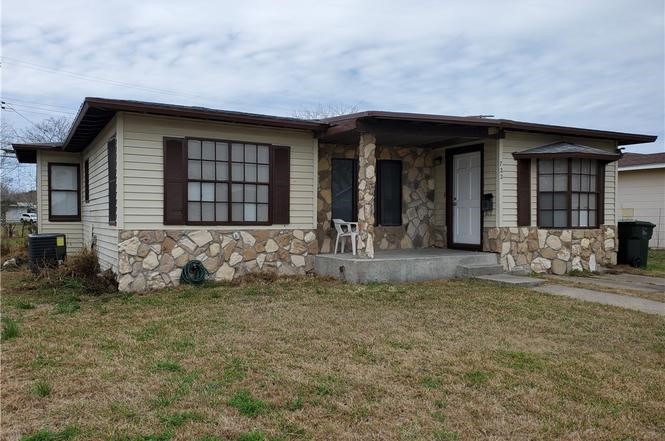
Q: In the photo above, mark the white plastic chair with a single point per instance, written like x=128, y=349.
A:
x=344, y=230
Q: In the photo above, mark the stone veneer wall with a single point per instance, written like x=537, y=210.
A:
x=152, y=259
x=418, y=229
x=526, y=249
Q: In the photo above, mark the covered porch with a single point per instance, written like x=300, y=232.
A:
x=391, y=173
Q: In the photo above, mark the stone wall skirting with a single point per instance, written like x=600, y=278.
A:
x=152, y=259
x=526, y=249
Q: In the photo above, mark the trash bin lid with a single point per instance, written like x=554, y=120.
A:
x=638, y=223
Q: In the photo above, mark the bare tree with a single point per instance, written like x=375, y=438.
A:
x=48, y=130
x=328, y=110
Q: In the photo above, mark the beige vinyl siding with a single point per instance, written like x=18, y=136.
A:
x=95, y=214
x=517, y=141
x=641, y=196
x=72, y=230
x=489, y=179
x=143, y=159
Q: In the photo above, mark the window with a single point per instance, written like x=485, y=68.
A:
x=389, y=193
x=64, y=192
x=112, y=178
x=227, y=182
x=86, y=179
x=344, y=189
x=568, y=193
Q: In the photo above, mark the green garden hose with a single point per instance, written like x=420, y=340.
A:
x=194, y=272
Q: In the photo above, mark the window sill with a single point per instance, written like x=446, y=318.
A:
x=64, y=219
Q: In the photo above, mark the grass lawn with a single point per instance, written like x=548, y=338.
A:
x=655, y=265
x=312, y=359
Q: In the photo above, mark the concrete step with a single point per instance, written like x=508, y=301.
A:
x=511, y=279
x=478, y=269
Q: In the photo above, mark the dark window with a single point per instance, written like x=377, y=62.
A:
x=228, y=182
x=389, y=193
x=344, y=189
x=568, y=193
x=64, y=184
x=112, y=175
x=86, y=179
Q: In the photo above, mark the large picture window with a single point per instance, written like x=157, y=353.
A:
x=568, y=193
x=228, y=182
x=64, y=192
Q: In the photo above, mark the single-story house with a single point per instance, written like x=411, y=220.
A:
x=151, y=186
x=641, y=194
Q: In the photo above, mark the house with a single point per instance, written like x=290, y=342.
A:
x=14, y=210
x=151, y=186
x=641, y=194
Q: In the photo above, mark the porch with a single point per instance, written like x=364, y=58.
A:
x=407, y=265
x=408, y=184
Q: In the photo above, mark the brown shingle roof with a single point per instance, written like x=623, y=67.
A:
x=633, y=159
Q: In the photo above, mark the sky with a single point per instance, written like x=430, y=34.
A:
x=587, y=63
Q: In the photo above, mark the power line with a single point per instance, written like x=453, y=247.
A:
x=158, y=91
x=29, y=106
x=12, y=99
x=26, y=118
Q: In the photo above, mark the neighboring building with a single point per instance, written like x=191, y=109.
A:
x=151, y=186
x=16, y=209
x=641, y=194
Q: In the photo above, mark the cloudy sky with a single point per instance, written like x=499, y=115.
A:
x=590, y=63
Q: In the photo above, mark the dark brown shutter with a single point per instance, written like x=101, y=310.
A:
x=175, y=181
x=280, y=184
x=86, y=178
x=523, y=192
x=112, y=179
x=601, y=196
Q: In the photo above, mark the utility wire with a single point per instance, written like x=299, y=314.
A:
x=22, y=101
x=24, y=117
x=47, y=69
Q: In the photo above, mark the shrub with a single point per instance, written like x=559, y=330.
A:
x=80, y=272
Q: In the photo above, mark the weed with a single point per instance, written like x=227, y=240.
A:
x=68, y=305
x=445, y=435
x=148, y=333
x=246, y=404
x=24, y=305
x=41, y=388
x=252, y=436
x=9, y=329
x=476, y=378
x=520, y=360
x=430, y=382
x=169, y=366
x=295, y=404
x=234, y=371
x=66, y=434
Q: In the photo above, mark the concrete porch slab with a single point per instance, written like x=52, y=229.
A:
x=400, y=265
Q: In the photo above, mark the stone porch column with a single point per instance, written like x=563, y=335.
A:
x=366, y=192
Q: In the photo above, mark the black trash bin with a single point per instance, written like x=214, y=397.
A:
x=634, y=242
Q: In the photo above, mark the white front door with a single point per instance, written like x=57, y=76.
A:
x=466, y=198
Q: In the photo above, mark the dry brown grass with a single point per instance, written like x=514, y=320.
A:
x=324, y=360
